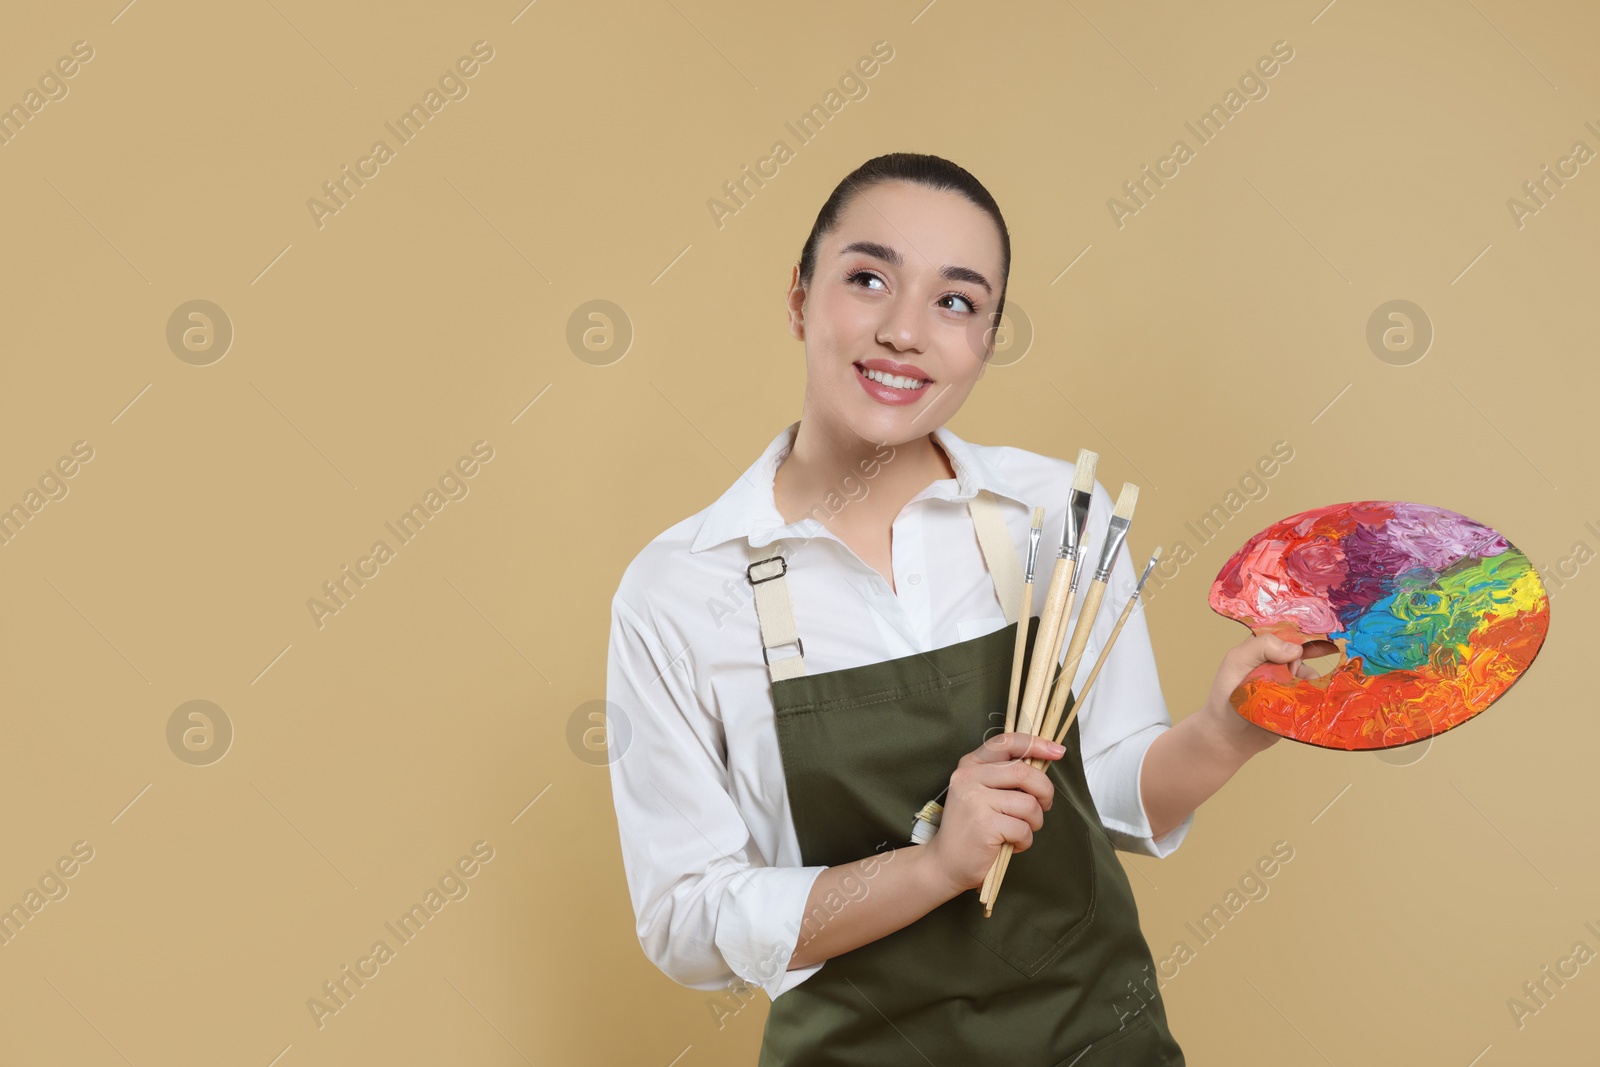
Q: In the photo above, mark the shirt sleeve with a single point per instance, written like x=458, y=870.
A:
x=707, y=910
x=1126, y=710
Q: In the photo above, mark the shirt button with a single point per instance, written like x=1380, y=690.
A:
x=913, y=578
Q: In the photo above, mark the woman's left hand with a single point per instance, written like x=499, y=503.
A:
x=1234, y=729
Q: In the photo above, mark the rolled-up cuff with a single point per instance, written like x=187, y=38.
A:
x=1121, y=809
x=759, y=925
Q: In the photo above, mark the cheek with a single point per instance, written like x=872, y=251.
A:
x=840, y=326
x=970, y=348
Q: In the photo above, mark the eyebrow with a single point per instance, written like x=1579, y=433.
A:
x=892, y=257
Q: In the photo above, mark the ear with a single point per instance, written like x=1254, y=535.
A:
x=796, y=301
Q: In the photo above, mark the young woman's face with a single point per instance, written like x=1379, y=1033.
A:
x=903, y=289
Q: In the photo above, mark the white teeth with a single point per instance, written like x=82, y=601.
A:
x=893, y=380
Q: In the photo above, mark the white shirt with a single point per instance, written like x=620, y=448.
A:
x=708, y=843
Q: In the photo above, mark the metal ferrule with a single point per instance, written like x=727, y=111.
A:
x=1033, y=549
x=1077, y=523
x=1148, y=567
x=1083, y=543
x=1115, y=535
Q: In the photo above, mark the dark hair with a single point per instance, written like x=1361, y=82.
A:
x=934, y=172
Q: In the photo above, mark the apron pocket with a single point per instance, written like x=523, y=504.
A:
x=1047, y=899
x=1138, y=1044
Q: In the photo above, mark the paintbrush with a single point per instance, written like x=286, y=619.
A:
x=1066, y=613
x=1047, y=642
x=1116, y=533
x=1127, y=609
x=1024, y=613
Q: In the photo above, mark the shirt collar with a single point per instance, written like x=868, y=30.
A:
x=748, y=508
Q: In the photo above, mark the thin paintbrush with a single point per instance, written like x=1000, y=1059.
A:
x=1066, y=613
x=1047, y=642
x=1115, y=534
x=1127, y=609
x=1024, y=614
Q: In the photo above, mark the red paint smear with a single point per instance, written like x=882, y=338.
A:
x=1353, y=711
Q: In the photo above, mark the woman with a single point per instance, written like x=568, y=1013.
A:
x=765, y=795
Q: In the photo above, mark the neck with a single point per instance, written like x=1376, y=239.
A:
x=829, y=466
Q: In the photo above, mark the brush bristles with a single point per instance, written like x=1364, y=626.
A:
x=1125, y=501
x=1038, y=518
x=1083, y=475
x=1156, y=554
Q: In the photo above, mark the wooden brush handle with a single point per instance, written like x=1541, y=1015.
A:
x=1046, y=645
x=1080, y=640
x=1046, y=653
x=1055, y=662
x=1046, y=649
x=1127, y=609
x=1024, y=613
x=1069, y=670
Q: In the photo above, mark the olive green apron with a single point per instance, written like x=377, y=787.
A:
x=1058, y=975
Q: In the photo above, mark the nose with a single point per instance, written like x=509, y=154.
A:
x=904, y=326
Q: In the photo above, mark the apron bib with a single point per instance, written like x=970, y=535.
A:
x=1060, y=974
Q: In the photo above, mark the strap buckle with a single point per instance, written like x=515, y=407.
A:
x=798, y=641
x=783, y=566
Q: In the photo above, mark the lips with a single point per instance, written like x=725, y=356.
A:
x=891, y=394
x=889, y=366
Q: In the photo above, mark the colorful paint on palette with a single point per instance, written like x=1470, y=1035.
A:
x=1436, y=616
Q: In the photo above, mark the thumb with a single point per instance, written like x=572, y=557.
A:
x=1276, y=649
x=1247, y=657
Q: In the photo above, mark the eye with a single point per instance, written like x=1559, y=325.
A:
x=851, y=278
x=972, y=306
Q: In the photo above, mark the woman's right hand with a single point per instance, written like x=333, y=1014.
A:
x=995, y=796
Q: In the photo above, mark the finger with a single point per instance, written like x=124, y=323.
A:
x=1020, y=834
x=1018, y=744
x=1016, y=805
x=1262, y=648
x=1017, y=777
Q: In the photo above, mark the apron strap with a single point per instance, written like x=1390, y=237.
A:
x=998, y=552
x=775, y=611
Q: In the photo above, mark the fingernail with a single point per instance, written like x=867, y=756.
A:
x=1055, y=749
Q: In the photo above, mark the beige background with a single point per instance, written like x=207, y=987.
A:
x=435, y=709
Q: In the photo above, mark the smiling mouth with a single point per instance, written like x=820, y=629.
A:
x=894, y=381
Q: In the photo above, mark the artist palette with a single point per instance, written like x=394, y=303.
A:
x=1435, y=616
